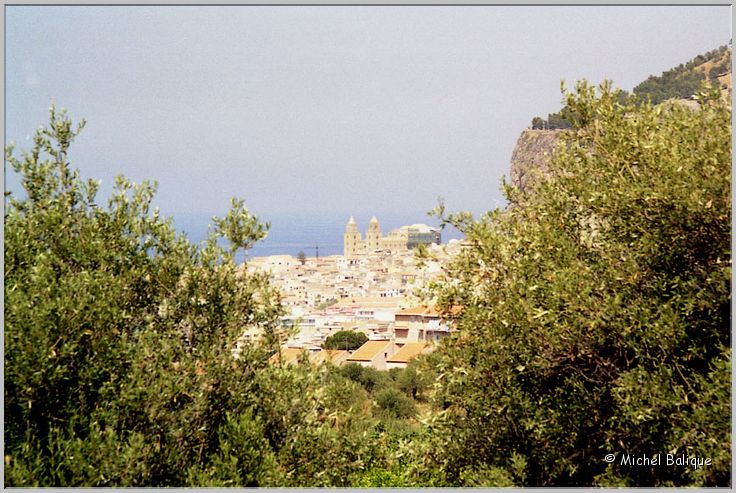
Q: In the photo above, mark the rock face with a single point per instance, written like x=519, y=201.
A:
x=529, y=161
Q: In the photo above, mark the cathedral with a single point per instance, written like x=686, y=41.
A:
x=399, y=240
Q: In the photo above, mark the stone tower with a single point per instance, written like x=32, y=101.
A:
x=351, y=238
x=373, y=235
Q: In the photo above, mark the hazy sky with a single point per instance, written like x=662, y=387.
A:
x=323, y=108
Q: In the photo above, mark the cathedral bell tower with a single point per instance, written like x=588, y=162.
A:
x=351, y=238
x=373, y=235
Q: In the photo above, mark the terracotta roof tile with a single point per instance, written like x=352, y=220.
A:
x=369, y=350
x=407, y=353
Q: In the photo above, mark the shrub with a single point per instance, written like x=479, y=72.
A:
x=395, y=403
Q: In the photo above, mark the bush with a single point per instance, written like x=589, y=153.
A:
x=395, y=403
x=370, y=378
x=414, y=381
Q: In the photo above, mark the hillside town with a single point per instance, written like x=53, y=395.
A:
x=372, y=289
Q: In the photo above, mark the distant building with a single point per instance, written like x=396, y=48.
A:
x=419, y=324
x=373, y=353
x=408, y=352
x=399, y=240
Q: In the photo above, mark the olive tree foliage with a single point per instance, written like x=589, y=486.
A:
x=596, y=312
x=119, y=367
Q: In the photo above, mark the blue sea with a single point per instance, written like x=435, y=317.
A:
x=313, y=233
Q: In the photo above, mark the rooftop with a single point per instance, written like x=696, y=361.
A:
x=370, y=302
x=421, y=228
x=427, y=311
x=422, y=310
x=369, y=350
x=336, y=356
x=407, y=353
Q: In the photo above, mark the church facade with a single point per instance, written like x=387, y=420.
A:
x=398, y=240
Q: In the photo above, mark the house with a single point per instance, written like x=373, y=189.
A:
x=408, y=352
x=411, y=324
x=373, y=353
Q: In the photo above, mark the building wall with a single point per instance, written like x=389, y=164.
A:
x=416, y=238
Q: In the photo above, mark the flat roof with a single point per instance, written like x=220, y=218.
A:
x=429, y=311
x=419, y=310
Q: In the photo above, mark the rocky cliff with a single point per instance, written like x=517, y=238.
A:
x=531, y=156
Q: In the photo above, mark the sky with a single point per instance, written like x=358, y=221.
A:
x=340, y=110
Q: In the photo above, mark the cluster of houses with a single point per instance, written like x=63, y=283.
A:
x=318, y=283
x=370, y=291
x=414, y=331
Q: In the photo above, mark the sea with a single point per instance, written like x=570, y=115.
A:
x=315, y=234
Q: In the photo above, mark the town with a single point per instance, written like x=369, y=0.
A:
x=373, y=289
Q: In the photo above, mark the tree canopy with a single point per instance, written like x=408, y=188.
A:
x=684, y=80
x=348, y=340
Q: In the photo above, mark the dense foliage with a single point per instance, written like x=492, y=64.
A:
x=554, y=121
x=596, y=310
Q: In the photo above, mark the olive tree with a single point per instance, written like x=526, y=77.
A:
x=119, y=338
x=596, y=310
